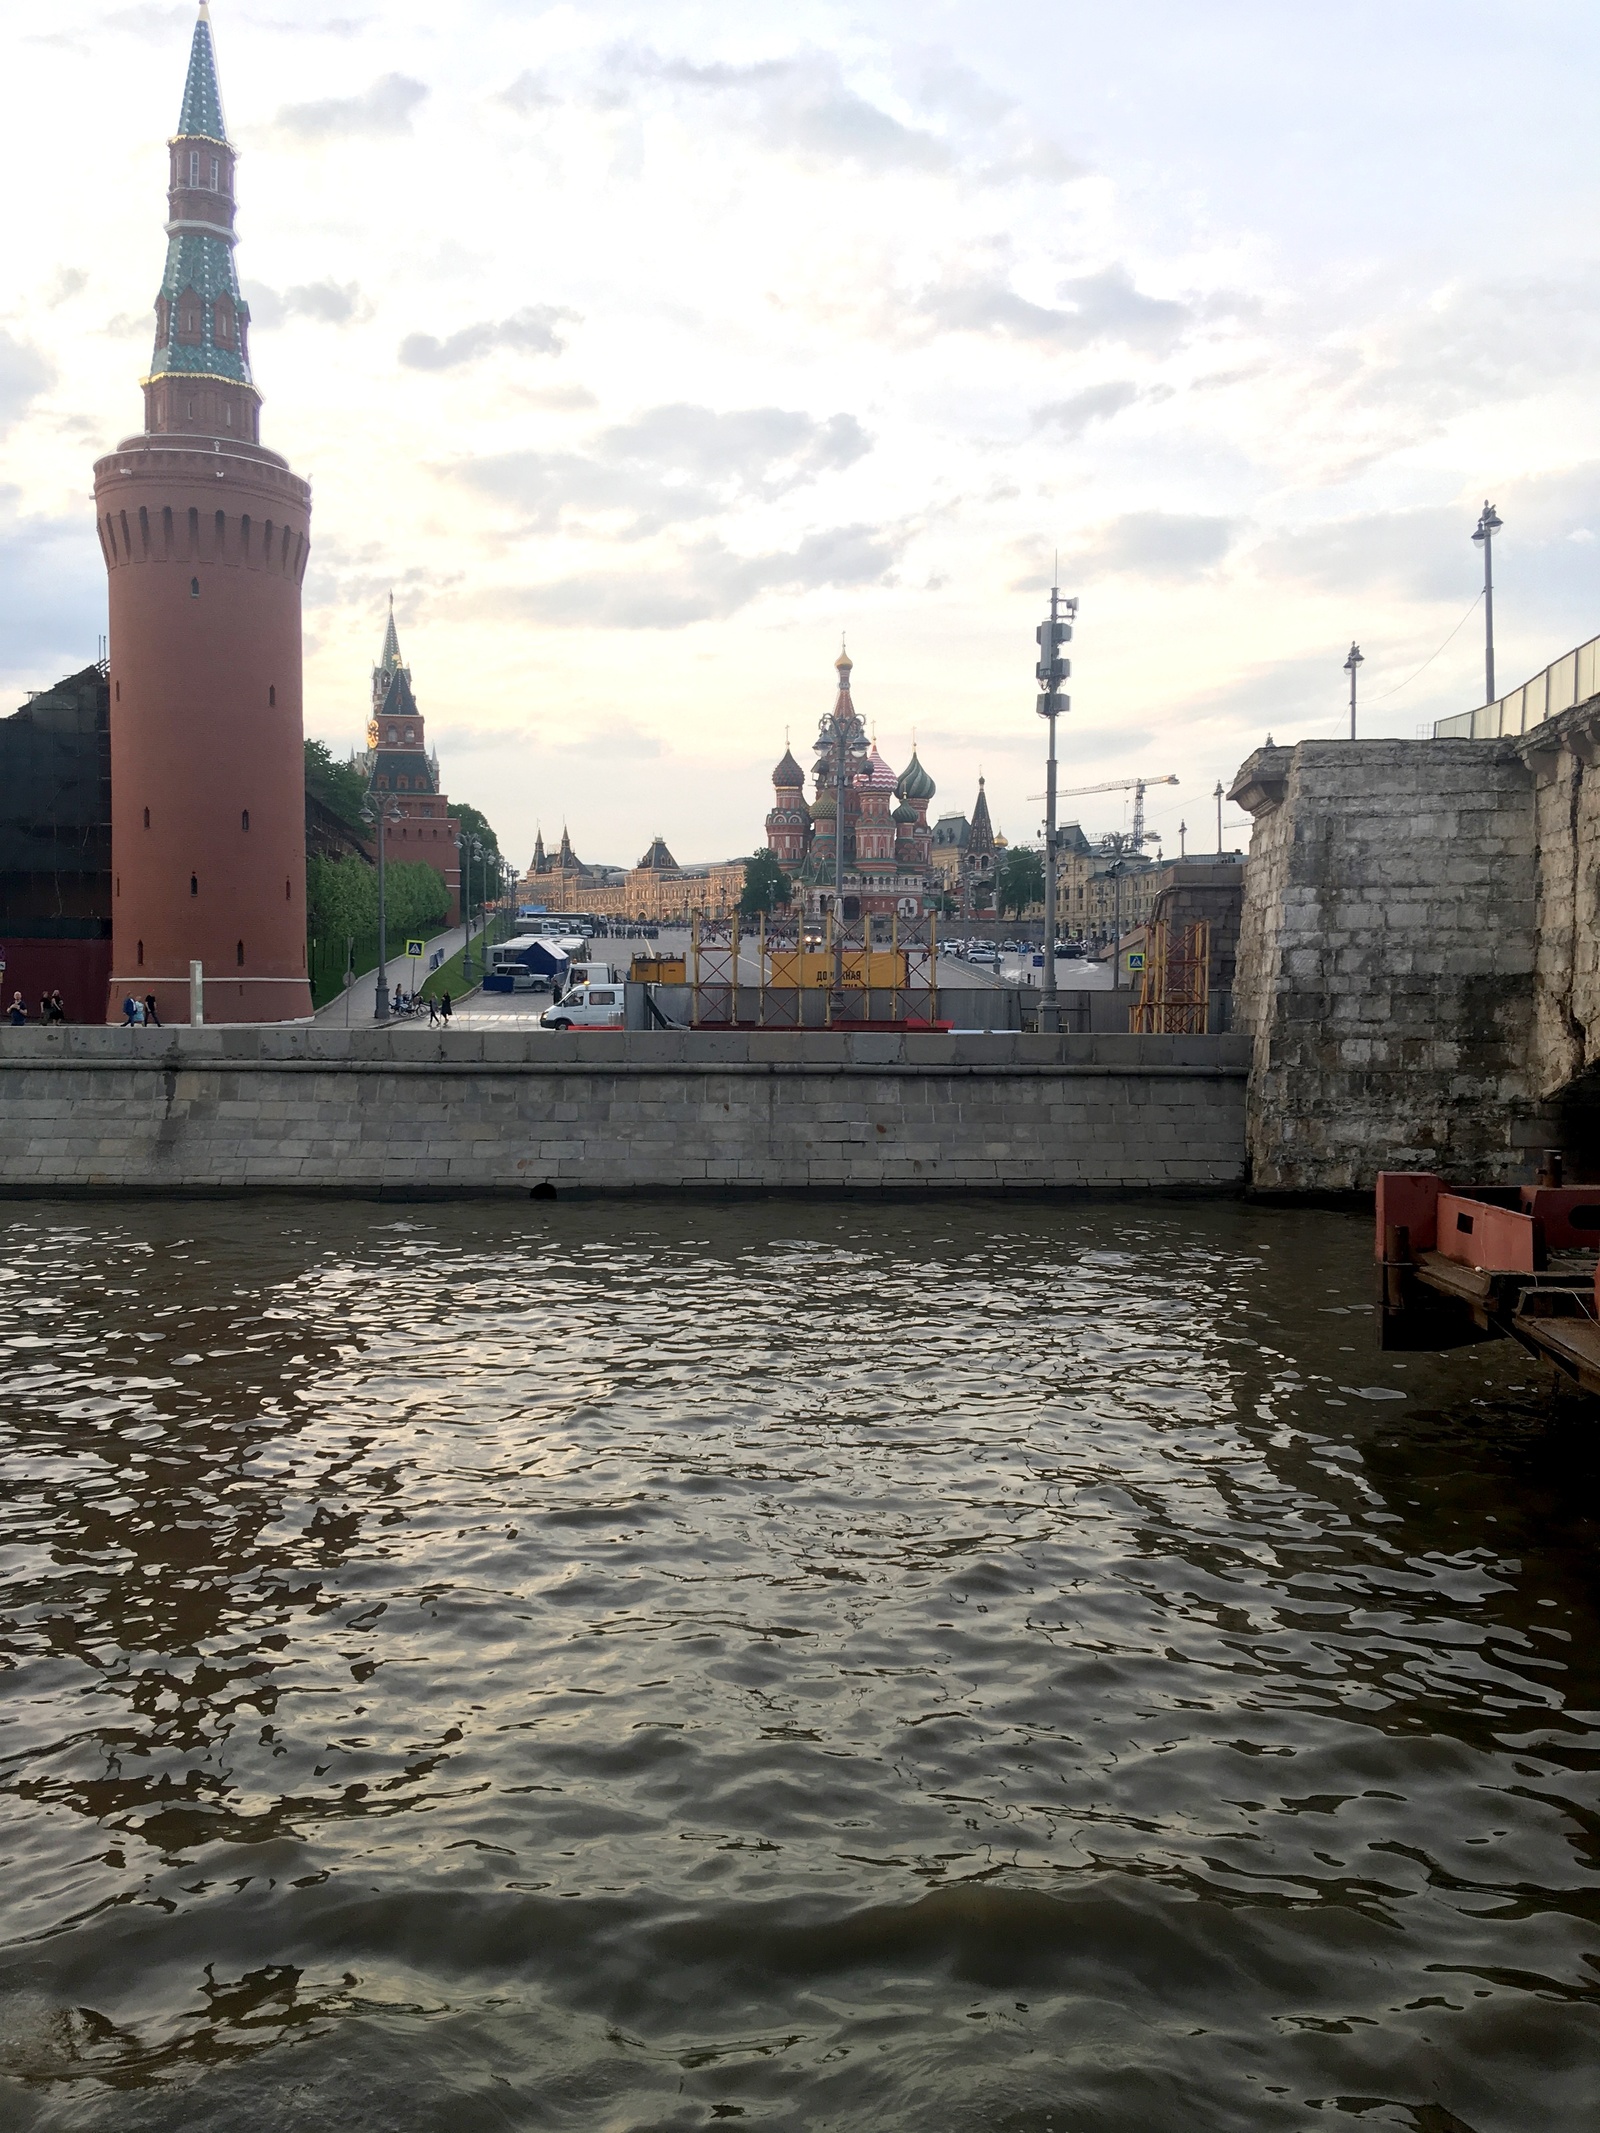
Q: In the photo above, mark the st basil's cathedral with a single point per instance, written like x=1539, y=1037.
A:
x=888, y=846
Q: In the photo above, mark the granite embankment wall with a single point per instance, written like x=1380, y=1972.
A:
x=406, y=1112
x=1396, y=908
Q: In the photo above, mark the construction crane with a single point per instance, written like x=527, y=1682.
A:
x=1137, y=787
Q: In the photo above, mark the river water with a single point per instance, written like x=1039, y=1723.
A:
x=966, y=1667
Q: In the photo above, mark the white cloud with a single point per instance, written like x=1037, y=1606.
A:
x=533, y=331
x=328, y=303
x=384, y=108
x=671, y=465
x=24, y=374
x=709, y=583
x=1154, y=544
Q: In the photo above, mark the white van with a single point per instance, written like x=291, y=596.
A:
x=586, y=1007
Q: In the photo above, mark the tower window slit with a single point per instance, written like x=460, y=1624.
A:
x=194, y=588
x=144, y=531
x=244, y=819
x=272, y=693
x=194, y=885
x=166, y=528
x=194, y=517
x=141, y=952
x=244, y=536
x=222, y=532
x=238, y=954
x=147, y=818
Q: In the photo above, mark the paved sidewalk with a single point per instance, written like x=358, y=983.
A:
x=362, y=996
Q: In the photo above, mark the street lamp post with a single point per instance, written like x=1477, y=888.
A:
x=1350, y=665
x=1051, y=671
x=1217, y=796
x=381, y=812
x=1489, y=524
x=470, y=849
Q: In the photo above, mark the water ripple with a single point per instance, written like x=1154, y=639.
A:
x=954, y=1668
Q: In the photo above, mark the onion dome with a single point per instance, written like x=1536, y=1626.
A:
x=824, y=804
x=915, y=783
x=903, y=813
x=788, y=776
x=877, y=773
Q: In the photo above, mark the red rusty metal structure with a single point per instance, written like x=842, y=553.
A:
x=1480, y=1262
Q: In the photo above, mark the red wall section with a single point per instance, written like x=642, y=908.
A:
x=79, y=970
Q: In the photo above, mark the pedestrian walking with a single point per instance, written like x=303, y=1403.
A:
x=17, y=1012
x=433, y=1010
x=58, y=1006
x=150, y=1014
x=130, y=1011
x=444, y=1009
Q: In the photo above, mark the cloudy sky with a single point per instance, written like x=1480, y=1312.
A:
x=644, y=350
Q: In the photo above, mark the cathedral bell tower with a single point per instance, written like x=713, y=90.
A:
x=205, y=536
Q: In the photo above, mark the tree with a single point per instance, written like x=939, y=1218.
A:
x=339, y=786
x=766, y=885
x=475, y=825
x=1021, y=879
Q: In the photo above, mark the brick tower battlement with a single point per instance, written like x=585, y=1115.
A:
x=206, y=535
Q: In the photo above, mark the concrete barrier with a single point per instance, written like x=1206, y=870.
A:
x=415, y=1113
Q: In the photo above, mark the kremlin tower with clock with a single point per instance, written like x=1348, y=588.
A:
x=206, y=535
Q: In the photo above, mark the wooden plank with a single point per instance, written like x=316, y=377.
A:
x=1572, y=1344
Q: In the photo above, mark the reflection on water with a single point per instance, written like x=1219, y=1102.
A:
x=951, y=1668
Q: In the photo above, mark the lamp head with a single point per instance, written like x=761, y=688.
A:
x=1489, y=522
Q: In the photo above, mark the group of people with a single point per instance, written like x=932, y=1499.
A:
x=412, y=1003
x=139, y=1014
x=51, y=1009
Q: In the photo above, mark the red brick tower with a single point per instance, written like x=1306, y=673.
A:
x=205, y=537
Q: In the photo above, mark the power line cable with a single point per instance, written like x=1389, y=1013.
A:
x=1432, y=656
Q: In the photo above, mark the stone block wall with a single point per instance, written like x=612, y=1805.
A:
x=1387, y=957
x=409, y=1112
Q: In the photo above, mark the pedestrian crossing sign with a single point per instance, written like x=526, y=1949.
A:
x=1136, y=960
x=414, y=947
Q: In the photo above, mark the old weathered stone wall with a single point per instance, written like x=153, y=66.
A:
x=1387, y=962
x=407, y=1111
x=1563, y=759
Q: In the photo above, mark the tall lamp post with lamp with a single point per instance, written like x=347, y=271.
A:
x=470, y=849
x=1051, y=671
x=381, y=812
x=1355, y=660
x=1489, y=524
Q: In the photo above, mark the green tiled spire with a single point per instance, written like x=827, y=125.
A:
x=202, y=346
x=201, y=115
